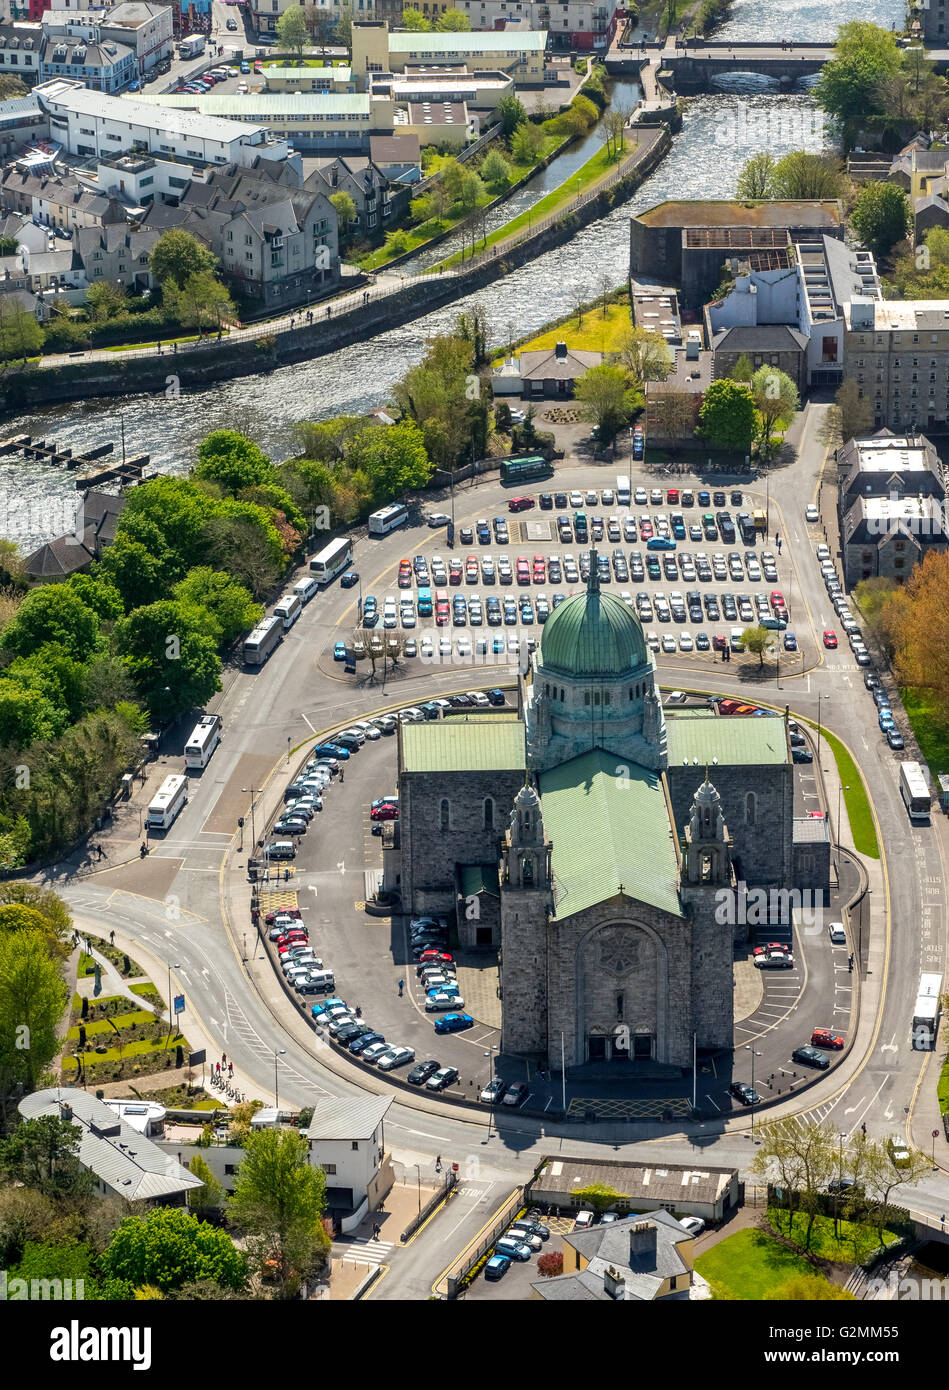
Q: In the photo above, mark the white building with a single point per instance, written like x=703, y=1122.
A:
x=571, y=23
x=376, y=49
x=139, y=25
x=92, y=123
x=316, y=122
x=347, y=1140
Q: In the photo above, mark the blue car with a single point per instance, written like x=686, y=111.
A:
x=660, y=543
x=453, y=1023
x=790, y=642
x=497, y=1267
x=363, y=1041
x=318, y=1009
x=330, y=750
x=497, y=646
x=339, y=651
x=886, y=720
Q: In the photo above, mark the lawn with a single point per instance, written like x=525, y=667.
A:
x=855, y=1243
x=557, y=200
x=749, y=1265
x=943, y=1088
x=130, y=1020
x=596, y=334
x=932, y=734
x=855, y=799
x=146, y=989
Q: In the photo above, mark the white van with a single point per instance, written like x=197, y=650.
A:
x=288, y=610
x=736, y=635
x=322, y=980
x=305, y=589
x=281, y=849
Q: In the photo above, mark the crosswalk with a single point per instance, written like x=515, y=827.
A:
x=364, y=1250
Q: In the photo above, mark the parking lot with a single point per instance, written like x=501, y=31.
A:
x=695, y=578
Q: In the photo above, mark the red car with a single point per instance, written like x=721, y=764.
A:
x=826, y=1037
x=645, y=529
x=771, y=946
x=719, y=642
x=830, y=638
x=672, y=495
x=433, y=956
x=777, y=598
x=271, y=917
x=523, y=571
x=520, y=504
x=387, y=811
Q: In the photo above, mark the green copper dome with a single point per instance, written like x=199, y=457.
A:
x=593, y=634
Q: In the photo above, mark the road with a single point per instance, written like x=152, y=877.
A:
x=170, y=908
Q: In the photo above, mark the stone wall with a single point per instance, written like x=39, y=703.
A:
x=762, y=830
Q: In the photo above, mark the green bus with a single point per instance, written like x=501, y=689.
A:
x=523, y=470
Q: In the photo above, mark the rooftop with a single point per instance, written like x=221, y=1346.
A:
x=264, y=105
x=726, y=213
x=611, y=833
x=69, y=95
x=898, y=453
x=663, y=1182
x=342, y=1118
x=906, y=315
x=737, y=740
x=464, y=745
x=410, y=43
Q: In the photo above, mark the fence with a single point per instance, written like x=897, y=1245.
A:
x=452, y=1283
x=467, y=153
x=435, y=1201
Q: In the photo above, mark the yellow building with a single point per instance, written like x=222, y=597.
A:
x=640, y=1259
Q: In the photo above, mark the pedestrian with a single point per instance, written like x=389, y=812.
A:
x=292, y=322
x=342, y=775
x=112, y=938
x=143, y=850
x=223, y=1059
x=863, y=1131
x=217, y=1068
x=230, y=1068
x=100, y=851
x=401, y=987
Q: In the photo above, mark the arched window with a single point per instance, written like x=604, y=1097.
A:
x=444, y=814
x=586, y=697
x=607, y=697
x=751, y=808
x=487, y=813
x=546, y=687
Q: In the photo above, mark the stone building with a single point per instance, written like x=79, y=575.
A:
x=599, y=842
x=891, y=503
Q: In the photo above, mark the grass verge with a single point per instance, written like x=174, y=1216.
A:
x=855, y=1243
x=855, y=797
x=932, y=734
x=749, y=1265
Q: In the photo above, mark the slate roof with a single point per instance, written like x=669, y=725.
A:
x=545, y=365
x=609, y=825
x=342, y=1119
x=762, y=337
x=608, y=1247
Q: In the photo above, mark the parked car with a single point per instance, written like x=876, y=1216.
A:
x=396, y=1057
x=421, y=1072
x=530, y=1227
x=453, y=1023
x=442, y=1079
x=493, y=1092
x=826, y=1037
x=838, y=935
x=514, y=1248
x=744, y=1093
x=693, y=1224
x=516, y=1094
x=497, y=1267
x=810, y=1057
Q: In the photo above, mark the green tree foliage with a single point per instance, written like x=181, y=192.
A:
x=802, y=174
x=56, y=917
x=201, y=302
x=43, y=1154
x=20, y=334
x=443, y=395
x=880, y=216
x=243, y=539
x=756, y=179
x=292, y=31
x=171, y=517
x=850, y=417
x=599, y=1197
x=210, y=1197
x=52, y=614
x=169, y=1247
x=32, y=999
x=743, y=369
x=172, y=657
x=133, y=572
x=279, y=1200
x=849, y=86
x=452, y=21
x=527, y=143
x=345, y=210
x=511, y=114
x=228, y=606
x=98, y=594
x=607, y=397
x=757, y=641
x=177, y=255
x=727, y=415
x=104, y=300
x=776, y=400
x=645, y=355
x=14, y=841
x=231, y=460
x=393, y=457
x=415, y=21
x=496, y=170
x=26, y=716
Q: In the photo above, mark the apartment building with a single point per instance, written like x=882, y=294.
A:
x=117, y=253
x=582, y=24
x=143, y=27
x=267, y=12
x=20, y=46
x=891, y=505
x=58, y=200
x=898, y=353
x=102, y=66
x=519, y=52
x=311, y=122
x=379, y=202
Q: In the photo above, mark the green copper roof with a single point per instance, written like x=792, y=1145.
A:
x=479, y=878
x=592, y=634
x=609, y=826
x=735, y=739
x=478, y=744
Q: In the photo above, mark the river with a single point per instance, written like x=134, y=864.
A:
x=720, y=131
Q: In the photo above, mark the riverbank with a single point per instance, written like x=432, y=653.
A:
x=248, y=353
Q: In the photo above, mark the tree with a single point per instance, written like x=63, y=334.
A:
x=496, y=170
x=50, y=905
x=173, y=660
x=168, y=1247
x=231, y=460
x=510, y=112
x=527, y=143
x=881, y=216
x=809, y=1288
x=20, y=334
x=210, y=1197
x=104, y=300
x=674, y=414
x=345, y=209
x=727, y=415
x=292, y=30
x=415, y=21
x=599, y=1196
x=134, y=573
x=43, y=1154
x=607, y=399
x=443, y=395
x=803, y=174
x=242, y=539
x=394, y=458
x=320, y=24
x=201, y=302
x=876, y=1171
x=850, y=417
x=806, y=1157
x=849, y=86
x=743, y=369
x=279, y=1200
x=177, y=255
x=344, y=25
x=756, y=179
x=756, y=640
x=32, y=999
x=549, y=1266
x=228, y=605
x=613, y=130
x=645, y=355
x=921, y=628
x=776, y=400
x=452, y=21
x=98, y=594
x=52, y=614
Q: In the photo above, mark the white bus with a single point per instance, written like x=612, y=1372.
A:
x=915, y=791
x=169, y=799
x=926, y=1013
x=260, y=643
x=331, y=559
x=288, y=610
x=622, y=491
x=205, y=737
x=387, y=519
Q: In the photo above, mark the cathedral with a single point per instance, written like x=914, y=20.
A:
x=593, y=842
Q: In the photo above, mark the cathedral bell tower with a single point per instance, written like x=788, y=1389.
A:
x=526, y=903
x=706, y=887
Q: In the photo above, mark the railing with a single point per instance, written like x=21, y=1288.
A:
x=452, y=1282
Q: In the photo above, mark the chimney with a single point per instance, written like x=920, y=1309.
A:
x=560, y=350
x=614, y=1285
x=642, y=1242
x=65, y=1112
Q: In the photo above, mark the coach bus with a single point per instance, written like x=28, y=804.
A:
x=331, y=560
x=386, y=519
x=926, y=1013
x=523, y=470
x=168, y=801
x=205, y=737
x=261, y=642
x=915, y=791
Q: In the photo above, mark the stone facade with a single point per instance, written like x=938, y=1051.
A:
x=758, y=802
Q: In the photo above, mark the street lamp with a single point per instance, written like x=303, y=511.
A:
x=754, y=1054
x=171, y=967
x=278, y=1053
x=840, y=788
x=820, y=696
x=840, y=1175
x=254, y=792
